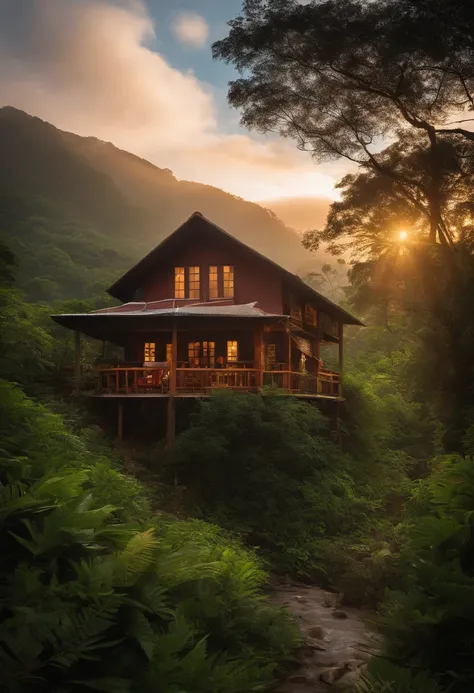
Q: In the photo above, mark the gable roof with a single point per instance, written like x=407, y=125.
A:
x=125, y=287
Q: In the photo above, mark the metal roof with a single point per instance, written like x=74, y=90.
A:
x=246, y=310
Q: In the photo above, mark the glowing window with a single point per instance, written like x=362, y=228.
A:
x=228, y=281
x=149, y=351
x=194, y=351
x=194, y=283
x=169, y=353
x=232, y=351
x=213, y=281
x=209, y=353
x=179, y=284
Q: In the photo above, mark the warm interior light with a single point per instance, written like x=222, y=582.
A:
x=403, y=235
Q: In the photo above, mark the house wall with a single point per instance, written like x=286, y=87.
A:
x=254, y=279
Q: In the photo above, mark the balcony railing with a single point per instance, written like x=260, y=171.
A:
x=127, y=380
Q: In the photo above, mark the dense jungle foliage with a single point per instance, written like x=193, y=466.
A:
x=102, y=586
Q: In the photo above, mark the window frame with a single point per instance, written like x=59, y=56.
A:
x=176, y=275
x=228, y=284
x=193, y=284
x=230, y=357
x=149, y=348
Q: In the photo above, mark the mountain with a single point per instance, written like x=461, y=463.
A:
x=77, y=211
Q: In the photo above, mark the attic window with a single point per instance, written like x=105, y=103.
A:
x=213, y=281
x=228, y=281
x=179, y=282
x=194, y=283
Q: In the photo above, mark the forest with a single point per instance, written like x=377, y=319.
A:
x=128, y=570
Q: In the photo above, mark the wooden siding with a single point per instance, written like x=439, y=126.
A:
x=254, y=279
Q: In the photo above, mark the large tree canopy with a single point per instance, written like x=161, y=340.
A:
x=344, y=76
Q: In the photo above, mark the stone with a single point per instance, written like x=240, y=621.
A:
x=315, y=644
x=337, y=613
x=300, y=678
x=332, y=675
x=306, y=651
x=318, y=633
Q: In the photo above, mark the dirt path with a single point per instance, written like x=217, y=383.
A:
x=336, y=645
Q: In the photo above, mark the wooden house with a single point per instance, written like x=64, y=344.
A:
x=204, y=311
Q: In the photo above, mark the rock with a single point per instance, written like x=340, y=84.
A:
x=332, y=675
x=318, y=633
x=306, y=651
x=300, y=678
x=300, y=599
x=349, y=680
x=315, y=644
x=337, y=613
x=331, y=600
x=362, y=656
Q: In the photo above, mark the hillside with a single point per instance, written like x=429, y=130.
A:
x=78, y=211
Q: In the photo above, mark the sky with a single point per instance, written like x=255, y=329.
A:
x=140, y=74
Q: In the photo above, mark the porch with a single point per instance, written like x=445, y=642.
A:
x=130, y=380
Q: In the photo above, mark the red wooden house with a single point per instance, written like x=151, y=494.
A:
x=204, y=311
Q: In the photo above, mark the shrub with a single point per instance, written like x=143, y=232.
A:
x=104, y=596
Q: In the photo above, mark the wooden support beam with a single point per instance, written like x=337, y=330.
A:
x=171, y=412
x=288, y=384
x=341, y=355
x=259, y=356
x=77, y=363
x=174, y=357
x=120, y=421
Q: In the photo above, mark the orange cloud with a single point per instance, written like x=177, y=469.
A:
x=191, y=29
x=85, y=66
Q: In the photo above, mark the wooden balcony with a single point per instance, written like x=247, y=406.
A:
x=198, y=382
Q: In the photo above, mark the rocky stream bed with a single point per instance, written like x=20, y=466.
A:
x=337, y=640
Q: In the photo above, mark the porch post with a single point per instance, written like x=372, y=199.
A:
x=317, y=353
x=120, y=421
x=288, y=384
x=171, y=414
x=174, y=357
x=77, y=362
x=258, y=357
x=341, y=355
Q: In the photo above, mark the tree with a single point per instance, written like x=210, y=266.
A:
x=371, y=218
x=342, y=76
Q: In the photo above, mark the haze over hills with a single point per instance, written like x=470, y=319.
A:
x=78, y=211
x=300, y=213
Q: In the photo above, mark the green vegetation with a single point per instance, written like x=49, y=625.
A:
x=100, y=594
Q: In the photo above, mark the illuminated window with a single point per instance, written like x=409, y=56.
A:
x=213, y=281
x=228, y=281
x=149, y=351
x=194, y=350
x=169, y=353
x=179, y=291
x=209, y=353
x=232, y=351
x=194, y=283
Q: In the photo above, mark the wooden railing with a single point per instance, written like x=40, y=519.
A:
x=130, y=379
x=204, y=379
x=326, y=383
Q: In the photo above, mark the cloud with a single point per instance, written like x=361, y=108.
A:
x=86, y=67
x=191, y=29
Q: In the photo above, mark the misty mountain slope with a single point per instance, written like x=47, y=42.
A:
x=169, y=200
x=78, y=212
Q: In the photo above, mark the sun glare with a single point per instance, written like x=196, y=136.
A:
x=403, y=235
